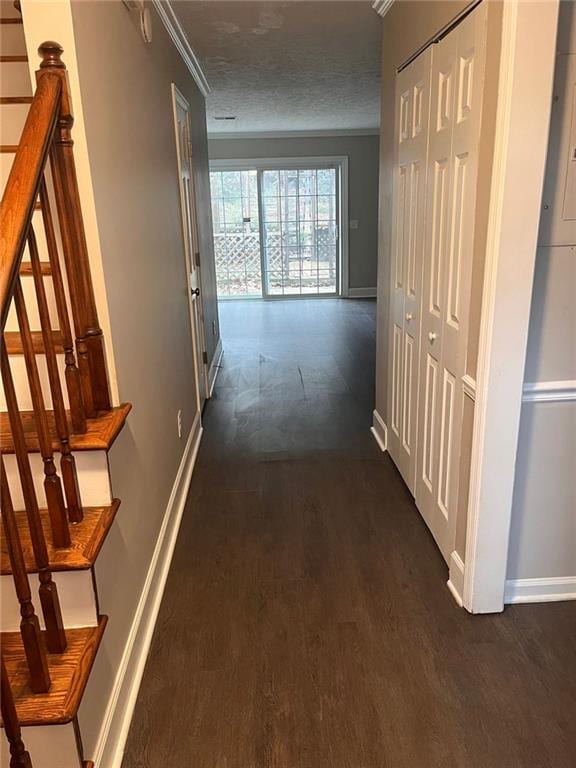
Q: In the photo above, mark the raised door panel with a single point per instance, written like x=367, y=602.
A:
x=432, y=393
x=407, y=258
x=456, y=93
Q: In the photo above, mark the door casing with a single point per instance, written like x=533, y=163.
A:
x=341, y=163
x=184, y=153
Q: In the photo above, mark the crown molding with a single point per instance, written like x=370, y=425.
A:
x=293, y=134
x=178, y=36
x=382, y=6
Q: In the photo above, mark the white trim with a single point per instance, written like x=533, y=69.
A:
x=361, y=293
x=197, y=330
x=549, y=391
x=304, y=161
x=523, y=116
x=267, y=163
x=540, y=590
x=456, y=581
x=116, y=723
x=230, y=135
x=379, y=430
x=178, y=36
x=469, y=386
x=215, y=367
x=382, y=6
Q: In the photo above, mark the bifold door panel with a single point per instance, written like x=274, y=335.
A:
x=412, y=108
x=441, y=91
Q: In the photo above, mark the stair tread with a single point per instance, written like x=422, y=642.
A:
x=87, y=539
x=15, y=99
x=14, y=346
x=12, y=57
x=69, y=672
x=11, y=20
x=101, y=431
x=26, y=268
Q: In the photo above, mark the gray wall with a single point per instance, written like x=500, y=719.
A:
x=543, y=533
x=126, y=95
x=362, y=152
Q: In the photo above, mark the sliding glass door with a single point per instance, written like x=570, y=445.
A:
x=300, y=225
x=236, y=222
x=277, y=229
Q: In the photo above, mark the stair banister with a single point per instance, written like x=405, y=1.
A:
x=89, y=336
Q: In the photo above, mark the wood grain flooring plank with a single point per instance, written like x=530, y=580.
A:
x=306, y=621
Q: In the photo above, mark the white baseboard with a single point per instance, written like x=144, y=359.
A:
x=114, y=732
x=361, y=293
x=379, y=430
x=540, y=590
x=215, y=367
x=456, y=581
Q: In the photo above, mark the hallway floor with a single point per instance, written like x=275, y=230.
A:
x=306, y=621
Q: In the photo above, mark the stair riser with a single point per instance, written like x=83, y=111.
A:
x=12, y=40
x=18, y=368
x=32, y=305
x=53, y=747
x=8, y=11
x=77, y=600
x=93, y=478
x=37, y=222
x=12, y=118
x=15, y=77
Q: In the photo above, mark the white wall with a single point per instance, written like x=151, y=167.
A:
x=543, y=532
x=362, y=152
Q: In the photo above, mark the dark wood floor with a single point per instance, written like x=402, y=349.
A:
x=306, y=622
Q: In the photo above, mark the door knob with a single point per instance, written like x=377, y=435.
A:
x=195, y=291
x=432, y=336
x=409, y=316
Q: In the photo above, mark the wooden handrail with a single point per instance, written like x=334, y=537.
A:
x=23, y=185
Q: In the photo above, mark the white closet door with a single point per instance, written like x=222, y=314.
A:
x=412, y=112
x=455, y=113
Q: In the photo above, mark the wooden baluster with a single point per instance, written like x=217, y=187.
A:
x=67, y=463
x=55, y=635
x=89, y=337
x=29, y=625
x=73, y=383
x=19, y=757
x=52, y=485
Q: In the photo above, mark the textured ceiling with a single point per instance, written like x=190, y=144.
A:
x=287, y=66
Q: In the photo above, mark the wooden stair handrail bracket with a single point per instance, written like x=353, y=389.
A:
x=89, y=336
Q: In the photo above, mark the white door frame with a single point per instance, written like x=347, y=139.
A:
x=200, y=357
x=271, y=163
x=523, y=116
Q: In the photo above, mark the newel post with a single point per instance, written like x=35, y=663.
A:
x=89, y=337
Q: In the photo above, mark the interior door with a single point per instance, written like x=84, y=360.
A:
x=191, y=243
x=412, y=108
x=455, y=114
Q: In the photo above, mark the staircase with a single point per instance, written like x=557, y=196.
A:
x=56, y=422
